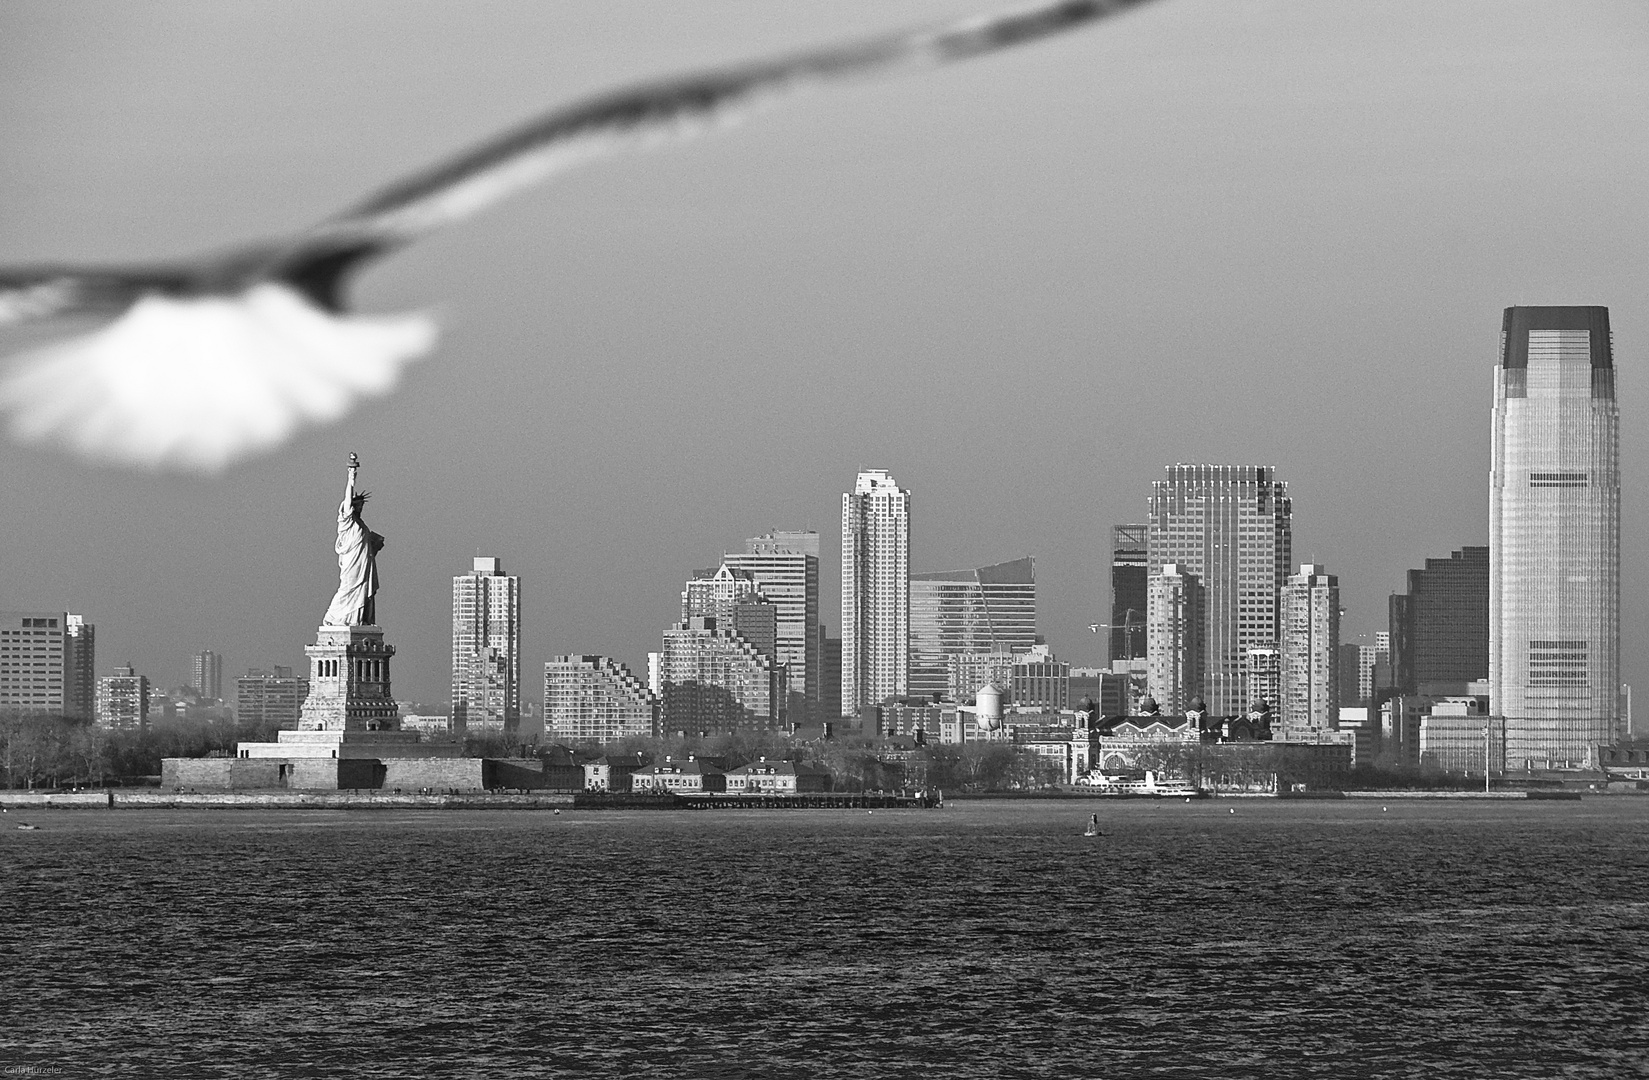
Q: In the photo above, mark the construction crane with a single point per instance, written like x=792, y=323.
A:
x=1128, y=625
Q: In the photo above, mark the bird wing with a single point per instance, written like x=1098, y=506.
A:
x=633, y=117
x=43, y=292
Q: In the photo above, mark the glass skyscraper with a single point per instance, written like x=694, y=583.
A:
x=1233, y=527
x=1554, y=537
x=991, y=609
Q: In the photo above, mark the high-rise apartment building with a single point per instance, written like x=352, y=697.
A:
x=1263, y=674
x=785, y=568
x=1554, y=537
x=270, y=700
x=1130, y=567
x=79, y=667
x=875, y=591
x=1310, y=651
x=713, y=680
x=123, y=700
x=991, y=609
x=486, y=649
x=595, y=698
x=1440, y=627
x=206, y=674
x=734, y=599
x=32, y=669
x=1175, y=647
x=1232, y=526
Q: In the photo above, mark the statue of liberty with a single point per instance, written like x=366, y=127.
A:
x=357, y=547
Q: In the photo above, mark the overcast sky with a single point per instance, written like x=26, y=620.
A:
x=1266, y=231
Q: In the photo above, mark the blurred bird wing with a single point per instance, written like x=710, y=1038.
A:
x=645, y=115
x=44, y=292
x=197, y=382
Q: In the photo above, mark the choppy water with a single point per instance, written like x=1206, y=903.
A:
x=982, y=940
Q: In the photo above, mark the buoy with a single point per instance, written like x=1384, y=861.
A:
x=1233, y=810
x=557, y=813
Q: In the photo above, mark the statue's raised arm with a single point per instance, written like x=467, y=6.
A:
x=354, y=604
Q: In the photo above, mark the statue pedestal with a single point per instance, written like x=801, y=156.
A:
x=349, y=682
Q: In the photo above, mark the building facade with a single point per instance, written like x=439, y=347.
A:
x=123, y=700
x=270, y=700
x=1554, y=537
x=33, y=662
x=1310, y=653
x=875, y=591
x=596, y=699
x=1440, y=627
x=784, y=566
x=206, y=675
x=1175, y=647
x=990, y=609
x=714, y=681
x=486, y=649
x=1232, y=526
x=1130, y=567
x=79, y=667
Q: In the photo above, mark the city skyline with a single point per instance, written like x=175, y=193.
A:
x=809, y=282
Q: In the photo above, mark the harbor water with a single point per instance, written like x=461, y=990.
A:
x=1284, y=939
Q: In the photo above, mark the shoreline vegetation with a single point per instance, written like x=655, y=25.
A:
x=47, y=753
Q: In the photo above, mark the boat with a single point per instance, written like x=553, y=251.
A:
x=26, y=827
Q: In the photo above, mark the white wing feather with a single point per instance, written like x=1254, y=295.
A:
x=196, y=383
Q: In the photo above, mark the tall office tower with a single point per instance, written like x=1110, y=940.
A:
x=206, y=674
x=1232, y=526
x=486, y=649
x=79, y=667
x=32, y=675
x=1311, y=651
x=716, y=681
x=596, y=698
x=875, y=591
x=123, y=699
x=785, y=568
x=991, y=609
x=1130, y=566
x=1175, y=648
x=1440, y=627
x=269, y=701
x=1554, y=537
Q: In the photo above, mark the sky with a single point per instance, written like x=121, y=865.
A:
x=1277, y=232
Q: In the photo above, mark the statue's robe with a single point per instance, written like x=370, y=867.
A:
x=357, y=549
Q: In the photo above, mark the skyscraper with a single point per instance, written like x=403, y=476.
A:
x=79, y=667
x=267, y=702
x=486, y=649
x=206, y=674
x=875, y=591
x=1440, y=627
x=1310, y=650
x=1554, y=536
x=1174, y=614
x=1130, y=566
x=991, y=609
x=1232, y=526
x=785, y=568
